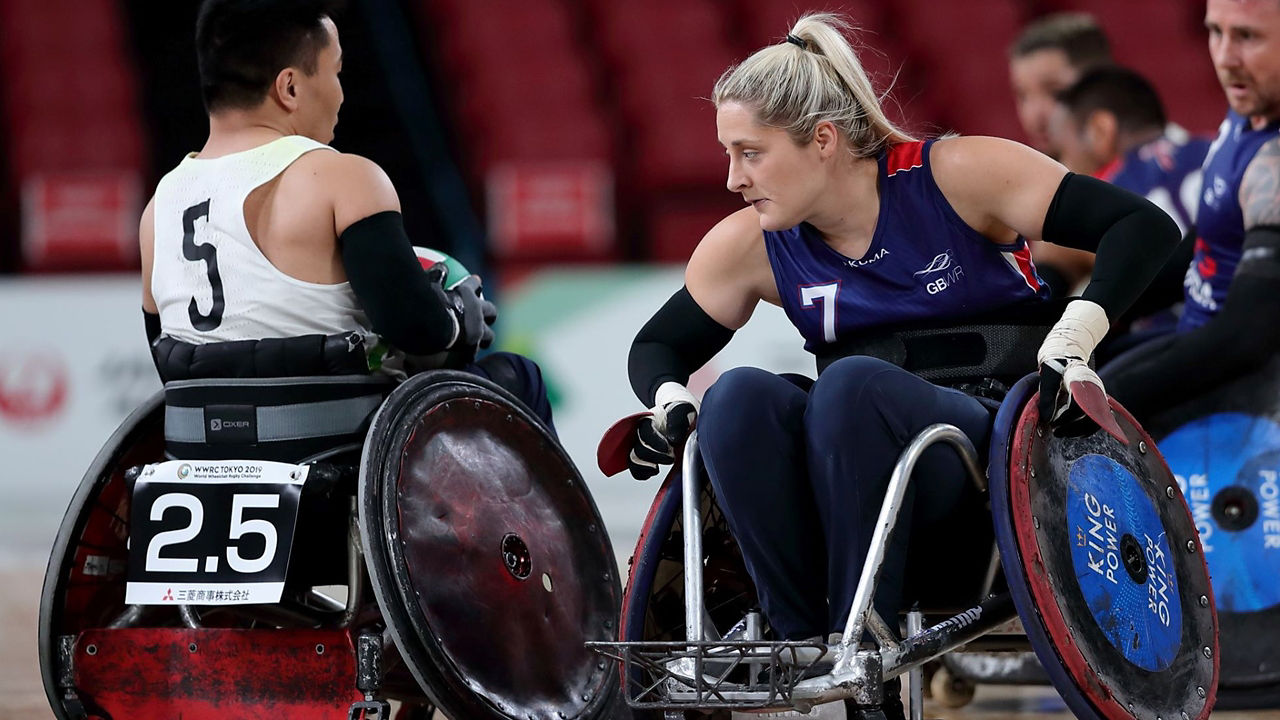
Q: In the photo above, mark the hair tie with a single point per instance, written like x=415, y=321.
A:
x=797, y=42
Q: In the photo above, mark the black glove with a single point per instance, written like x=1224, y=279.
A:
x=674, y=416
x=472, y=313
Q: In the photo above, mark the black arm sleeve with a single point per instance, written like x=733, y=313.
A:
x=1241, y=338
x=680, y=338
x=1131, y=237
x=1165, y=289
x=403, y=306
x=151, y=321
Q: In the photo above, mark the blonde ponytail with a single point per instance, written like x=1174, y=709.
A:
x=813, y=76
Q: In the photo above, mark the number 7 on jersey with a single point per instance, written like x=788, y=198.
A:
x=811, y=294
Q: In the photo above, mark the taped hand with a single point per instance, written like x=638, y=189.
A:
x=1064, y=363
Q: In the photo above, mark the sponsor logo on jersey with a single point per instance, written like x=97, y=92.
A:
x=941, y=273
x=1215, y=191
x=863, y=262
x=940, y=262
x=1199, y=291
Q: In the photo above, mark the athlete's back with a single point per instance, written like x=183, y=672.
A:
x=267, y=254
x=219, y=223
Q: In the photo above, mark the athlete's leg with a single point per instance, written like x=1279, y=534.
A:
x=862, y=412
x=749, y=433
x=521, y=377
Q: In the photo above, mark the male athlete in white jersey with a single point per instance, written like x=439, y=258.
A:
x=267, y=253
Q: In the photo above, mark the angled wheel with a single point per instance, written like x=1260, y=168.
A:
x=1104, y=566
x=487, y=554
x=1224, y=449
x=84, y=582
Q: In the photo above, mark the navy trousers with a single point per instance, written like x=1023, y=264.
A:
x=519, y=376
x=801, y=476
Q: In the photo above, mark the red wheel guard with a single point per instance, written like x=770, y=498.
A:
x=163, y=673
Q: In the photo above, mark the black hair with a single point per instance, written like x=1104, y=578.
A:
x=1120, y=91
x=1076, y=34
x=242, y=45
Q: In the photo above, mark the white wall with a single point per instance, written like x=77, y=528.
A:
x=82, y=336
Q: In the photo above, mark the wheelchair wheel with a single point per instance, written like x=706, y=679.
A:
x=84, y=582
x=1224, y=449
x=1104, y=566
x=653, y=604
x=487, y=554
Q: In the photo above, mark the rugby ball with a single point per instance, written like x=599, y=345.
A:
x=455, y=273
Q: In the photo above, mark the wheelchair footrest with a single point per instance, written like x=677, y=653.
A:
x=370, y=710
x=207, y=673
x=731, y=675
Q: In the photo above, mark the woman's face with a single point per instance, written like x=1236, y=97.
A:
x=780, y=179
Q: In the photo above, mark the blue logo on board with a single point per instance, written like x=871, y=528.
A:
x=1123, y=563
x=1228, y=466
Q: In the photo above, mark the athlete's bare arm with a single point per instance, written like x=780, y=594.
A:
x=147, y=248
x=999, y=187
x=1260, y=188
x=297, y=218
x=729, y=271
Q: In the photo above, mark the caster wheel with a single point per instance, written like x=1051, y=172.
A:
x=951, y=691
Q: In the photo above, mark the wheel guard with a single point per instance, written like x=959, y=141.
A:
x=1105, y=566
x=487, y=553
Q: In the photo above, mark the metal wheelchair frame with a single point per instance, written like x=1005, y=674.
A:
x=706, y=672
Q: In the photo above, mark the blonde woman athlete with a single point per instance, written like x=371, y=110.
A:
x=853, y=227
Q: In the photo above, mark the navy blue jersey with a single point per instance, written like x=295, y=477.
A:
x=1165, y=171
x=1219, y=219
x=924, y=263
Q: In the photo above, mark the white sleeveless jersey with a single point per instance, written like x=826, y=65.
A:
x=210, y=281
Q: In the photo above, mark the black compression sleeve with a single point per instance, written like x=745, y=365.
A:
x=1165, y=289
x=403, y=306
x=1241, y=338
x=151, y=321
x=680, y=338
x=1130, y=236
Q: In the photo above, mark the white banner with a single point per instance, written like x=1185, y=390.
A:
x=73, y=364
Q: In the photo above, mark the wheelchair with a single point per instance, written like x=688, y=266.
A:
x=1224, y=449
x=1097, y=568
x=428, y=543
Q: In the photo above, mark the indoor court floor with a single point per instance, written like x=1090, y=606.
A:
x=21, y=695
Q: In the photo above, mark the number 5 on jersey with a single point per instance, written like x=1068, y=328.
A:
x=208, y=253
x=823, y=296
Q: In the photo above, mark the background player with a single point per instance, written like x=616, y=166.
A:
x=854, y=226
x=267, y=253
x=1228, y=327
x=1049, y=56
x=1112, y=125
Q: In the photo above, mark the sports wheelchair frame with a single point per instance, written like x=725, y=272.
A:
x=486, y=557
x=720, y=665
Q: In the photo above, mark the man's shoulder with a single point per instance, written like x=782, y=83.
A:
x=1260, y=187
x=355, y=186
x=335, y=166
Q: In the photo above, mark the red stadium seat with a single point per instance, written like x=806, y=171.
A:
x=70, y=102
x=765, y=22
x=676, y=227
